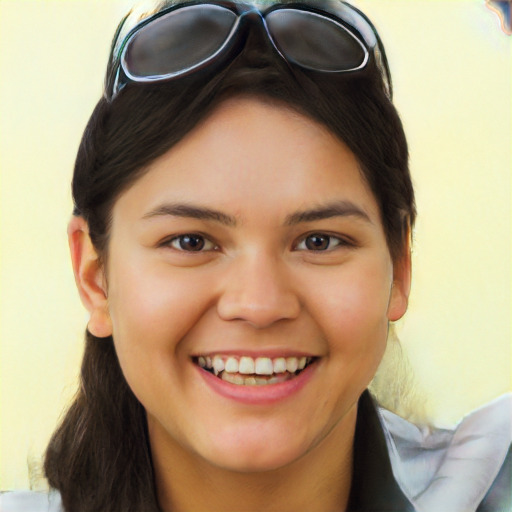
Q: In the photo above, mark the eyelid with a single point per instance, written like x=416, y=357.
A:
x=210, y=245
x=341, y=241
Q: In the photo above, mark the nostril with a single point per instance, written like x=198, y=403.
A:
x=259, y=314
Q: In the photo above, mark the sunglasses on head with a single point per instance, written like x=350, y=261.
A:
x=325, y=36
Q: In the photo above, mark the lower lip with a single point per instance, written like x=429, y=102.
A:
x=259, y=395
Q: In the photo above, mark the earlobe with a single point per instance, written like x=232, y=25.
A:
x=399, y=299
x=89, y=277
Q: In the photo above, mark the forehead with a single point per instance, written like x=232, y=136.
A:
x=251, y=155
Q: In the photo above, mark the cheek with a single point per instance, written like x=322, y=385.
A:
x=351, y=307
x=154, y=297
x=152, y=307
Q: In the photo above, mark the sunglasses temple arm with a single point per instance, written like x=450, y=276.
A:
x=112, y=80
x=383, y=64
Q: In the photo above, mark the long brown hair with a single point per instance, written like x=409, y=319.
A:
x=99, y=457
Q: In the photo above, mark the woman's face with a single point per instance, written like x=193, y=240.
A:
x=252, y=244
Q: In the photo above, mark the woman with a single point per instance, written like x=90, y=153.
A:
x=243, y=210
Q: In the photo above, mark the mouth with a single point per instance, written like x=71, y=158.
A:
x=249, y=371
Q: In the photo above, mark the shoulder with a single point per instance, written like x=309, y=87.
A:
x=29, y=501
x=461, y=468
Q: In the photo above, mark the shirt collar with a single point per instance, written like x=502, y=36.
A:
x=374, y=488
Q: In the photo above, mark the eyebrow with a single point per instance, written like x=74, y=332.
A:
x=328, y=211
x=189, y=211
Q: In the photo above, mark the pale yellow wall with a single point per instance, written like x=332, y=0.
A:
x=451, y=67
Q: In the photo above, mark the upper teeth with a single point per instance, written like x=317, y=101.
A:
x=247, y=365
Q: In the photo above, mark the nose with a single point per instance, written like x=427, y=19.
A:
x=259, y=291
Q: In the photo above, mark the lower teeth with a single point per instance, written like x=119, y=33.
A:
x=244, y=380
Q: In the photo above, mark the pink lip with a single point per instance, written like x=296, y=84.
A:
x=272, y=354
x=259, y=395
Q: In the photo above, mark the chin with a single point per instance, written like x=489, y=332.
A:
x=256, y=457
x=264, y=463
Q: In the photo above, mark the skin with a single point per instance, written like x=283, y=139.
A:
x=256, y=288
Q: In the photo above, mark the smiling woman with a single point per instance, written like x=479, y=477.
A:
x=241, y=241
x=256, y=256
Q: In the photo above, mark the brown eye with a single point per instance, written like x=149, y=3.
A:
x=317, y=242
x=191, y=243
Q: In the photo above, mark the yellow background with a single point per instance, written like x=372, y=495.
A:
x=451, y=65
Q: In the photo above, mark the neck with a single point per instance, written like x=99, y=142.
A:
x=320, y=480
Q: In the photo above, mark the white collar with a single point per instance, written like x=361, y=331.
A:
x=449, y=470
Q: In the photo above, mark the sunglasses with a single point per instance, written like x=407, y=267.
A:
x=325, y=36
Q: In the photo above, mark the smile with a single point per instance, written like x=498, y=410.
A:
x=249, y=371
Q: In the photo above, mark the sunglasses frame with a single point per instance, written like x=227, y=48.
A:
x=342, y=14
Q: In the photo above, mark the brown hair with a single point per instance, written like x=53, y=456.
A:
x=99, y=457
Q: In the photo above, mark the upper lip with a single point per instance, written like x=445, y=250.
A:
x=271, y=353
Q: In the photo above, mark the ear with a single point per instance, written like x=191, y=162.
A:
x=401, y=285
x=89, y=277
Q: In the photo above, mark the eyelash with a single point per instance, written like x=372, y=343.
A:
x=207, y=245
x=176, y=242
x=340, y=242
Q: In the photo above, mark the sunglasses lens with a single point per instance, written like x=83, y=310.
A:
x=178, y=41
x=314, y=41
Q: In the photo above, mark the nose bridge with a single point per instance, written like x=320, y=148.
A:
x=254, y=27
x=257, y=289
x=251, y=14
